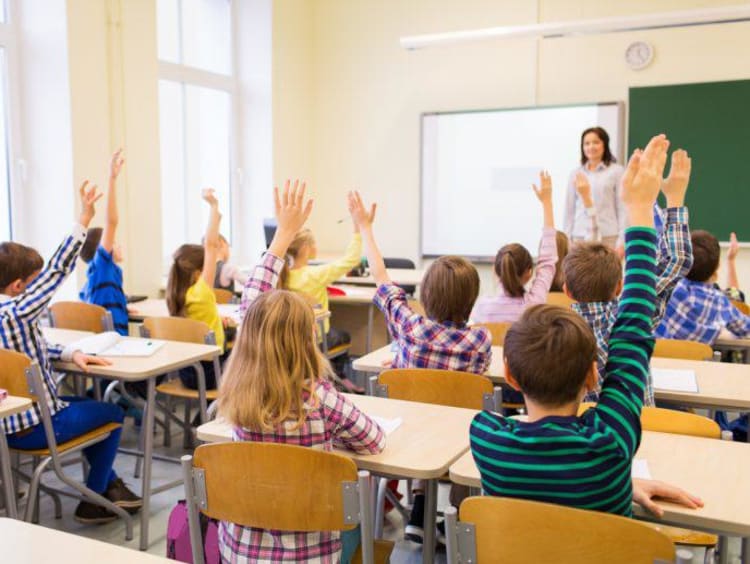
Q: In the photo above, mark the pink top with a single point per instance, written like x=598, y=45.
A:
x=503, y=308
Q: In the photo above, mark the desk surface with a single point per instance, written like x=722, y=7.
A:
x=721, y=385
x=24, y=543
x=171, y=356
x=714, y=470
x=12, y=405
x=403, y=276
x=428, y=441
x=157, y=307
x=354, y=294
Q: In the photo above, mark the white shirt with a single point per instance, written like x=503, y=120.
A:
x=605, y=191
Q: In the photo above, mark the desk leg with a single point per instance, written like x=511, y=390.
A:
x=10, y=493
x=368, y=337
x=723, y=549
x=148, y=448
x=202, y=402
x=430, y=518
x=745, y=554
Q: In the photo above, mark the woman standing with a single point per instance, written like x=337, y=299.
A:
x=593, y=198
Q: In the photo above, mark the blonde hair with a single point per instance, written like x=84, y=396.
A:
x=275, y=360
x=301, y=240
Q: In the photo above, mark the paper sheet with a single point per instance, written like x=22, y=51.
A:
x=232, y=311
x=113, y=344
x=640, y=469
x=388, y=425
x=674, y=380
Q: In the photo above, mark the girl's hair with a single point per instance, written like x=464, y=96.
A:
x=511, y=263
x=607, y=158
x=563, y=245
x=274, y=362
x=301, y=239
x=188, y=260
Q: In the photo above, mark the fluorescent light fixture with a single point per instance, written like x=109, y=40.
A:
x=705, y=16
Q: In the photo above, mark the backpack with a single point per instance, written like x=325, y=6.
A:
x=178, y=536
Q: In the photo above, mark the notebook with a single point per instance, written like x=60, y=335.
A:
x=674, y=380
x=114, y=344
x=388, y=425
x=640, y=469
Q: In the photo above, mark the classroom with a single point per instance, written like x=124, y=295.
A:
x=374, y=281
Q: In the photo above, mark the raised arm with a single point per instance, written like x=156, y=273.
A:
x=583, y=189
x=545, y=267
x=211, y=240
x=363, y=220
x=734, y=250
x=112, y=219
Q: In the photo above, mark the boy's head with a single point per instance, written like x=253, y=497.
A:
x=19, y=265
x=550, y=355
x=92, y=242
x=706, y=255
x=592, y=273
x=449, y=289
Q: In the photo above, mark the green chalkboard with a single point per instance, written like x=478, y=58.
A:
x=712, y=122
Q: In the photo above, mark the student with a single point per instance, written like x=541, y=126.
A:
x=26, y=288
x=514, y=267
x=593, y=273
x=227, y=274
x=563, y=247
x=100, y=251
x=698, y=310
x=276, y=389
x=190, y=289
x=439, y=339
x=550, y=353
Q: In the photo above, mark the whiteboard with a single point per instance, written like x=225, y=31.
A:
x=478, y=168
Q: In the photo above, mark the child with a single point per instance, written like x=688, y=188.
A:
x=189, y=289
x=104, y=277
x=276, y=389
x=563, y=247
x=513, y=267
x=25, y=291
x=557, y=456
x=440, y=339
x=227, y=274
x=593, y=273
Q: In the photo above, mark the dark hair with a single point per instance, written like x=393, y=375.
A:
x=17, y=262
x=592, y=272
x=93, y=238
x=511, y=263
x=449, y=289
x=706, y=255
x=188, y=260
x=607, y=158
x=550, y=350
x=563, y=246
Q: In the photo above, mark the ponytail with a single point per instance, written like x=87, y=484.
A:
x=511, y=263
x=301, y=239
x=188, y=260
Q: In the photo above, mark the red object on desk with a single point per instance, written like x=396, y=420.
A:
x=334, y=291
x=3, y=394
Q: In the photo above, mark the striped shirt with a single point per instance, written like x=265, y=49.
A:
x=424, y=343
x=20, y=331
x=585, y=461
x=504, y=308
x=104, y=288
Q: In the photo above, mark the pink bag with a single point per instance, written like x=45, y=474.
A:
x=178, y=536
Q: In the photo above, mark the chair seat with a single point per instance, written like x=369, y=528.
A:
x=73, y=443
x=339, y=350
x=686, y=537
x=177, y=389
x=383, y=550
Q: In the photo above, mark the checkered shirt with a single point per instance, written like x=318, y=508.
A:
x=265, y=277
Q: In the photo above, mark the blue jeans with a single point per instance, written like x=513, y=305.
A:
x=81, y=416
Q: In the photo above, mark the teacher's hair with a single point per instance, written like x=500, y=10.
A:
x=608, y=158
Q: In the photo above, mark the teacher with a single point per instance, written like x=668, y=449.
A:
x=593, y=211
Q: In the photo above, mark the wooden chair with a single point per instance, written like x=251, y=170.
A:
x=223, y=296
x=497, y=331
x=689, y=350
x=742, y=306
x=267, y=486
x=80, y=316
x=559, y=299
x=439, y=387
x=23, y=378
x=515, y=530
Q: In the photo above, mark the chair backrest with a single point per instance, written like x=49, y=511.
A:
x=403, y=263
x=223, y=296
x=13, y=373
x=670, y=421
x=177, y=329
x=742, y=306
x=516, y=530
x=80, y=316
x=559, y=299
x=497, y=331
x=440, y=387
x=689, y=350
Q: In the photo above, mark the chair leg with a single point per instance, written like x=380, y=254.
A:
x=110, y=389
x=168, y=424
x=187, y=442
x=380, y=506
x=141, y=443
x=33, y=502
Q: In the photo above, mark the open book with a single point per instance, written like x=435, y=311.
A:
x=114, y=344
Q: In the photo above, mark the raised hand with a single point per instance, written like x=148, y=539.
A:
x=675, y=185
x=584, y=189
x=89, y=196
x=642, y=180
x=734, y=247
x=115, y=164
x=361, y=216
x=209, y=196
x=544, y=190
x=292, y=209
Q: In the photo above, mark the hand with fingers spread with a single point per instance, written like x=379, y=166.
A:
x=675, y=185
x=642, y=181
x=361, y=217
x=292, y=210
x=644, y=492
x=583, y=188
x=115, y=165
x=544, y=194
x=89, y=196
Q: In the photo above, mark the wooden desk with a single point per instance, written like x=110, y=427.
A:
x=157, y=307
x=428, y=441
x=9, y=406
x=401, y=276
x=24, y=543
x=714, y=470
x=356, y=314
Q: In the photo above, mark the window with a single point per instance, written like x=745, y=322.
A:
x=196, y=100
x=6, y=46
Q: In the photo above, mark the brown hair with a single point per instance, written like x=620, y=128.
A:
x=607, y=158
x=563, y=247
x=188, y=260
x=511, y=263
x=17, y=262
x=274, y=362
x=706, y=256
x=592, y=272
x=549, y=351
x=449, y=289
x=301, y=240
x=93, y=238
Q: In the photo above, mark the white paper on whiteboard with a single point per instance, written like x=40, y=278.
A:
x=388, y=425
x=640, y=469
x=674, y=380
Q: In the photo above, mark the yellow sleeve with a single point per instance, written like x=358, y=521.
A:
x=326, y=274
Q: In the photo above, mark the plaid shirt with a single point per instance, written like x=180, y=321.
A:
x=424, y=343
x=20, y=331
x=265, y=277
x=698, y=311
x=675, y=261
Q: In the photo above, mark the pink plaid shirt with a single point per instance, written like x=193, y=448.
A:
x=425, y=343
